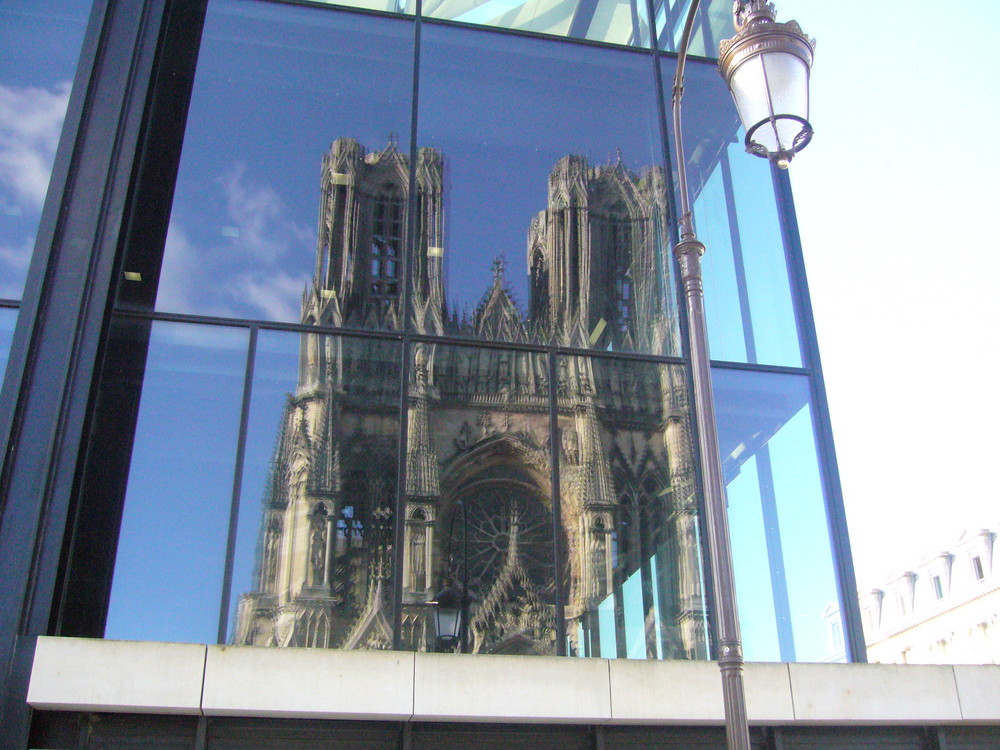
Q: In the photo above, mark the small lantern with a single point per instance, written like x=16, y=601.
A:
x=448, y=616
x=766, y=66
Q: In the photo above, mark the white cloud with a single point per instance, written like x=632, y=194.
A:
x=276, y=295
x=30, y=121
x=259, y=217
x=177, y=289
x=14, y=261
x=243, y=269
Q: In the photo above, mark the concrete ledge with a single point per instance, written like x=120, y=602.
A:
x=85, y=674
x=690, y=693
x=308, y=683
x=978, y=692
x=538, y=689
x=78, y=674
x=874, y=694
x=665, y=692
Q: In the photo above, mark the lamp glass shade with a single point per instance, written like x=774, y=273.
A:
x=449, y=621
x=771, y=91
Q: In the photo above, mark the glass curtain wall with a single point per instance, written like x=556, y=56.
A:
x=39, y=49
x=398, y=344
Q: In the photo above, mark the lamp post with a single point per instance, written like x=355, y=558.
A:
x=766, y=66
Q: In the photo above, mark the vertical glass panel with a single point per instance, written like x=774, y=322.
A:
x=725, y=283
x=614, y=21
x=313, y=563
x=629, y=511
x=39, y=49
x=551, y=220
x=748, y=298
x=290, y=198
x=785, y=580
x=8, y=317
x=775, y=333
x=168, y=572
x=479, y=500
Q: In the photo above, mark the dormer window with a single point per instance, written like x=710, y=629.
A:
x=938, y=588
x=977, y=568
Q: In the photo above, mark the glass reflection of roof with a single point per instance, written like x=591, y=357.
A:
x=477, y=12
x=750, y=410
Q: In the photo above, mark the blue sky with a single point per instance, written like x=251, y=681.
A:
x=895, y=200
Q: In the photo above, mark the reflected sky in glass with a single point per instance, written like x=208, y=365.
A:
x=167, y=583
x=8, y=317
x=777, y=513
x=39, y=49
x=275, y=86
x=503, y=111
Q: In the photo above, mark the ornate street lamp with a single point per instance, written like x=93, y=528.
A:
x=452, y=603
x=767, y=68
x=449, y=616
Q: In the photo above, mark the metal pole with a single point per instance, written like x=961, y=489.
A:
x=688, y=252
x=464, y=603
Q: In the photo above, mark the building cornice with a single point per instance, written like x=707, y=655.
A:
x=75, y=674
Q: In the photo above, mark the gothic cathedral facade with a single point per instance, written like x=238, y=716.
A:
x=479, y=431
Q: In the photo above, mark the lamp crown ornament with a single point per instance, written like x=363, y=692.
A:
x=757, y=16
x=766, y=66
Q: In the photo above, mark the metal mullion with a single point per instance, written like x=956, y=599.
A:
x=446, y=340
x=554, y=456
x=775, y=554
x=409, y=248
x=129, y=48
x=724, y=364
x=742, y=291
x=234, y=508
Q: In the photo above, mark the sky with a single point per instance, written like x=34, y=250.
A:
x=895, y=199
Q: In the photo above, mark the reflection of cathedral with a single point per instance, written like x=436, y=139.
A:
x=478, y=428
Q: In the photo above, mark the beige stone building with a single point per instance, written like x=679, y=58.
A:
x=943, y=611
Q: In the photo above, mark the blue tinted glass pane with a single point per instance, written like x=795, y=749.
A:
x=168, y=574
x=769, y=293
x=748, y=298
x=614, y=21
x=554, y=149
x=629, y=509
x=8, y=317
x=39, y=48
x=288, y=132
x=785, y=579
x=313, y=552
x=724, y=314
